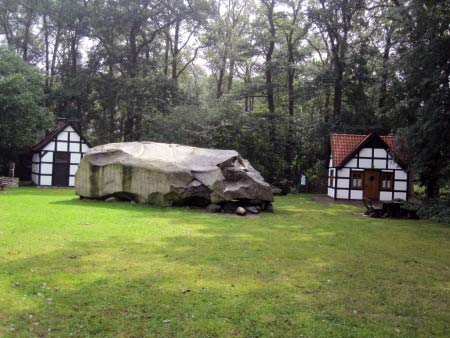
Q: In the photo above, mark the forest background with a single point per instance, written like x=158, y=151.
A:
x=269, y=78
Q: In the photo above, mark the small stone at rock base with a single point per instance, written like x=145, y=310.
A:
x=214, y=208
x=252, y=210
x=241, y=211
x=132, y=202
x=111, y=199
x=269, y=207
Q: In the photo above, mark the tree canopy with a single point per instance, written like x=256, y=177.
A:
x=270, y=78
x=23, y=115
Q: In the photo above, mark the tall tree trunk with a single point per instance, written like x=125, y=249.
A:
x=269, y=53
x=269, y=83
x=26, y=36
x=431, y=177
x=221, y=75
x=384, y=75
x=47, y=58
x=337, y=103
x=290, y=130
x=175, y=52
x=166, y=54
x=55, y=55
x=230, y=75
x=129, y=129
x=74, y=53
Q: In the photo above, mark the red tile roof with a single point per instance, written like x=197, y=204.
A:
x=344, y=145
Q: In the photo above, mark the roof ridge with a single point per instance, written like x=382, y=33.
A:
x=349, y=134
x=50, y=136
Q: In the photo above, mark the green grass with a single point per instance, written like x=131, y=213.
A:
x=73, y=268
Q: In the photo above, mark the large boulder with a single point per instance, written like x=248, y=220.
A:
x=169, y=174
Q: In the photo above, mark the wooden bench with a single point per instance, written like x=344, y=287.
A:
x=5, y=182
x=372, y=209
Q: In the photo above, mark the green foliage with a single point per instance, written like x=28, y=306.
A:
x=426, y=105
x=438, y=210
x=270, y=78
x=23, y=116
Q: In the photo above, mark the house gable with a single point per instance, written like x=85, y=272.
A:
x=353, y=154
x=65, y=144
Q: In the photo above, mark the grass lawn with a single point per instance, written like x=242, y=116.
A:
x=73, y=268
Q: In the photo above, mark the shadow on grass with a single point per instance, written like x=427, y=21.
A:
x=307, y=269
x=211, y=286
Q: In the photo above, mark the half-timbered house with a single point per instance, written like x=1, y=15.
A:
x=366, y=166
x=55, y=158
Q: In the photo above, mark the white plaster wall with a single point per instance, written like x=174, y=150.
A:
x=330, y=164
x=342, y=183
x=36, y=157
x=63, y=136
x=74, y=147
x=401, y=175
x=352, y=163
x=365, y=163
x=331, y=192
x=365, y=152
x=344, y=172
x=342, y=194
x=84, y=148
x=75, y=158
x=69, y=128
x=61, y=147
x=401, y=195
x=74, y=137
x=71, y=181
x=356, y=194
x=46, y=180
x=46, y=168
x=385, y=195
x=34, y=179
x=35, y=168
x=400, y=186
x=50, y=146
x=379, y=164
x=48, y=157
x=379, y=152
x=73, y=169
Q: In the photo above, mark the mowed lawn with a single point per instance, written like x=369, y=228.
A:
x=76, y=268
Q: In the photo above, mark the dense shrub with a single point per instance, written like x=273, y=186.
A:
x=437, y=209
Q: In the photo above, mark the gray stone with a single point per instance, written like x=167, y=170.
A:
x=253, y=210
x=241, y=211
x=169, y=174
x=111, y=199
x=276, y=191
x=214, y=208
x=269, y=207
x=254, y=202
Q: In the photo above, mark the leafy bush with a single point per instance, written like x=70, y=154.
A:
x=437, y=209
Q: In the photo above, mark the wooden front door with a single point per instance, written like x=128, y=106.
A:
x=61, y=168
x=372, y=184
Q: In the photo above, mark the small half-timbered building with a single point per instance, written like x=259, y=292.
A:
x=55, y=158
x=366, y=166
